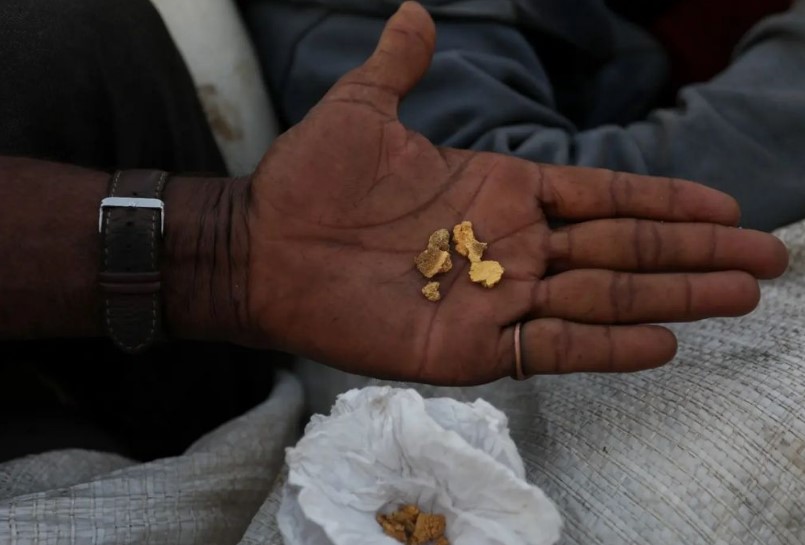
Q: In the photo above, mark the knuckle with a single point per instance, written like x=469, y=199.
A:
x=621, y=296
x=620, y=193
x=673, y=188
x=647, y=243
x=556, y=337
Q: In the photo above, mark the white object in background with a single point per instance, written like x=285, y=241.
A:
x=216, y=48
x=382, y=447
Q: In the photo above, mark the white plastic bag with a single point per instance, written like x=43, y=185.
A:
x=384, y=447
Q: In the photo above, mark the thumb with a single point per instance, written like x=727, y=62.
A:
x=399, y=61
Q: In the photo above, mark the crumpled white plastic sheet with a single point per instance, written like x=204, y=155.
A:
x=382, y=447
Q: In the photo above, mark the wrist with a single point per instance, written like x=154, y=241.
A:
x=205, y=259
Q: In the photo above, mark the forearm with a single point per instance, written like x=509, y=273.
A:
x=50, y=250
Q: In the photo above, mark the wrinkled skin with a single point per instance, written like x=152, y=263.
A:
x=344, y=201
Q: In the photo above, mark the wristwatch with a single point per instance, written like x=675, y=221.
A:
x=131, y=224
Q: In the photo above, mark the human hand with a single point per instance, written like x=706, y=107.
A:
x=343, y=202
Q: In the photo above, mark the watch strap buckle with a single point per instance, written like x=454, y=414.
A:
x=133, y=202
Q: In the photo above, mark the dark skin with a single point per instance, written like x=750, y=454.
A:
x=314, y=253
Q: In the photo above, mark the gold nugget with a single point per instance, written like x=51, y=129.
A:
x=392, y=528
x=431, y=291
x=411, y=526
x=436, y=258
x=486, y=273
x=466, y=244
x=440, y=239
x=433, y=261
x=407, y=516
x=428, y=528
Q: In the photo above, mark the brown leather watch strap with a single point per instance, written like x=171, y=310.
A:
x=131, y=224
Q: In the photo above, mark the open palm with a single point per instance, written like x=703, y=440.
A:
x=343, y=203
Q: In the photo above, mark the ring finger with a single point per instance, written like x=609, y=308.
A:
x=608, y=297
x=551, y=346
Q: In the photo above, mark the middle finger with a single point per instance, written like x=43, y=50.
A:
x=640, y=245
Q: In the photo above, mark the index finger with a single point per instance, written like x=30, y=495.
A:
x=577, y=193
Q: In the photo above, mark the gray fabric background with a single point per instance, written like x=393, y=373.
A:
x=709, y=449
